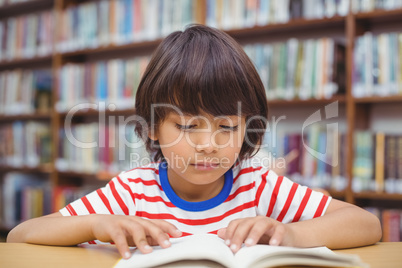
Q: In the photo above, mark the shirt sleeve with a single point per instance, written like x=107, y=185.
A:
x=286, y=201
x=115, y=198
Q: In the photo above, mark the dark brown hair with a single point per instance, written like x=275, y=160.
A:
x=201, y=69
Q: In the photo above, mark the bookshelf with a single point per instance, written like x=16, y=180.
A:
x=345, y=28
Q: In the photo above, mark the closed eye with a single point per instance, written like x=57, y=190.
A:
x=229, y=128
x=185, y=127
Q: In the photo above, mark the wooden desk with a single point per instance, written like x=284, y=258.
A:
x=17, y=255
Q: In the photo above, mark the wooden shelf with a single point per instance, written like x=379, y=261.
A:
x=378, y=196
x=290, y=27
x=23, y=117
x=133, y=48
x=278, y=103
x=26, y=63
x=100, y=176
x=46, y=168
x=16, y=9
x=380, y=15
x=92, y=113
x=378, y=99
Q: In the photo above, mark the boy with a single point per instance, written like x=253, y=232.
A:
x=203, y=112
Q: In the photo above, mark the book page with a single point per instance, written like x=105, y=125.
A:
x=268, y=256
x=194, y=247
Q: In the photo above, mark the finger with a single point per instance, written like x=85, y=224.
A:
x=230, y=230
x=257, y=231
x=169, y=228
x=120, y=242
x=277, y=236
x=241, y=233
x=222, y=233
x=137, y=232
x=157, y=232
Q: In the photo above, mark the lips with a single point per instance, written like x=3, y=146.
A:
x=205, y=165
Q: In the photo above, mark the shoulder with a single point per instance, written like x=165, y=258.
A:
x=146, y=172
x=251, y=167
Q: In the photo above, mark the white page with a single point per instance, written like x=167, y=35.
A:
x=266, y=255
x=194, y=247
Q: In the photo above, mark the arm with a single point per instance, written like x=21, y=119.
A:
x=59, y=230
x=343, y=225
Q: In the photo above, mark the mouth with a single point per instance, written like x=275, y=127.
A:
x=205, y=165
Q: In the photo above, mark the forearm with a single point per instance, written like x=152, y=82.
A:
x=55, y=230
x=345, y=227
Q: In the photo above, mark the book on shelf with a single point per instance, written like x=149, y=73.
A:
x=237, y=14
x=25, y=91
x=377, y=162
x=121, y=22
x=300, y=69
x=377, y=67
x=109, y=82
x=372, y=5
x=27, y=36
x=26, y=196
x=210, y=251
x=320, y=162
x=90, y=148
x=25, y=144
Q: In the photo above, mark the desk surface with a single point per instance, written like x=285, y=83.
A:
x=16, y=255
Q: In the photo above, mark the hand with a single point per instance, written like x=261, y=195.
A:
x=127, y=231
x=253, y=230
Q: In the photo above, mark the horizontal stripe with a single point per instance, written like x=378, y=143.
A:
x=146, y=182
x=240, y=190
x=194, y=222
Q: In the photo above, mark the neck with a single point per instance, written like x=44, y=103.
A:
x=196, y=193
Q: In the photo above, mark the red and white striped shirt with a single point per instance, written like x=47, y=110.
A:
x=255, y=191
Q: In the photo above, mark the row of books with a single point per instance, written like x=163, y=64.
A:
x=101, y=23
x=25, y=144
x=391, y=222
x=378, y=65
x=112, y=82
x=371, y=5
x=229, y=14
x=304, y=69
x=25, y=91
x=27, y=36
x=93, y=147
x=24, y=196
x=319, y=155
x=10, y=2
x=378, y=162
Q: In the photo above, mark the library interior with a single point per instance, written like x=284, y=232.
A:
x=69, y=71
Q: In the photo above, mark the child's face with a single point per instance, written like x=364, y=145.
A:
x=200, y=149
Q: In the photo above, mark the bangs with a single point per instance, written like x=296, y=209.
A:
x=206, y=76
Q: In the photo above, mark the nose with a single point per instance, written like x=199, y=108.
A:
x=205, y=143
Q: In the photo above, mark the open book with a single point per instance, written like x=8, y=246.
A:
x=210, y=251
